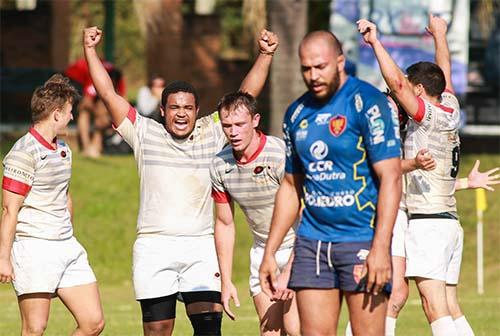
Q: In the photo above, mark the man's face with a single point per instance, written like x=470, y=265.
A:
x=320, y=68
x=180, y=114
x=239, y=127
x=62, y=117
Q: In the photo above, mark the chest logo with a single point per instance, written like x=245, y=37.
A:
x=338, y=124
x=319, y=150
x=63, y=154
x=258, y=170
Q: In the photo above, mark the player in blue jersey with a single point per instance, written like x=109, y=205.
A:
x=343, y=161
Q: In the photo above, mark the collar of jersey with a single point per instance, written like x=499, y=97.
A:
x=42, y=141
x=262, y=143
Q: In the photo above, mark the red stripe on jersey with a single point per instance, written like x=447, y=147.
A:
x=419, y=116
x=42, y=141
x=15, y=186
x=220, y=197
x=446, y=108
x=131, y=115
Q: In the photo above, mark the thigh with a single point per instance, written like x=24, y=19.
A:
x=398, y=234
x=158, y=309
x=198, y=302
x=34, y=308
x=398, y=273
x=77, y=271
x=270, y=314
x=433, y=295
x=83, y=302
x=367, y=313
x=453, y=271
x=291, y=320
x=319, y=311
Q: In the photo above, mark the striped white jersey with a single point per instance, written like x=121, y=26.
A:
x=253, y=185
x=41, y=172
x=434, y=127
x=174, y=175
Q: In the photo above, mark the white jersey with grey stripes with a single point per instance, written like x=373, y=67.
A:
x=42, y=175
x=253, y=185
x=433, y=191
x=174, y=175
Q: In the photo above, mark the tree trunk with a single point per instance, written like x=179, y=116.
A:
x=288, y=19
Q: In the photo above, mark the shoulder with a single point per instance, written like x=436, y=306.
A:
x=275, y=142
x=295, y=108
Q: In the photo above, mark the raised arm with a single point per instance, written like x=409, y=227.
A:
x=117, y=105
x=286, y=210
x=393, y=76
x=255, y=80
x=437, y=28
x=224, y=243
x=11, y=203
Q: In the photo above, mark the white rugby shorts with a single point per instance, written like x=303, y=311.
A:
x=256, y=255
x=398, y=234
x=164, y=265
x=434, y=249
x=43, y=266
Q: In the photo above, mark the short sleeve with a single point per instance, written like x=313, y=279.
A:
x=219, y=192
x=380, y=129
x=293, y=164
x=131, y=128
x=18, y=172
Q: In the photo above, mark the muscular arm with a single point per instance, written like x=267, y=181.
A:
x=11, y=204
x=117, y=105
x=393, y=76
x=224, y=239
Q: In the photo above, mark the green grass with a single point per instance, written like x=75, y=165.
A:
x=105, y=196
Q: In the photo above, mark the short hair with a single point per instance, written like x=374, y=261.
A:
x=53, y=94
x=326, y=35
x=429, y=75
x=175, y=87
x=232, y=101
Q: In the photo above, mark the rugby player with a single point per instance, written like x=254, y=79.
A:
x=38, y=251
x=174, y=253
x=343, y=160
x=434, y=237
x=249, y=173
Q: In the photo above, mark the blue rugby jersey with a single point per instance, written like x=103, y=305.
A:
x=335, y=145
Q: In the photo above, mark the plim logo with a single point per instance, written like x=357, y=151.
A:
x=338, y=124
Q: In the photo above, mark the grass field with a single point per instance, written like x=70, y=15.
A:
x=105, y=197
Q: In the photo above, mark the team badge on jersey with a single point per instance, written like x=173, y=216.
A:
x=338, y=124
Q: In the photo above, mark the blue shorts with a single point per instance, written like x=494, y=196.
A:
x=325, y=265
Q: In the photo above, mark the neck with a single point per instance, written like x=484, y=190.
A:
x=245, y=156
x=46, y=131
x=432, y=100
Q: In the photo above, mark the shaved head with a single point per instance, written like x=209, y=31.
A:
x=324, y=37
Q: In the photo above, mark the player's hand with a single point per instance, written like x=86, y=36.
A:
x=229, y=291
x=377, y=270
x=281, y=291
x=6, y=271
x=368, y=30
x=268, y=42
x=91, y=37
x=424, y=160
x=476, y=179
x=437, y=26
x=267, y=275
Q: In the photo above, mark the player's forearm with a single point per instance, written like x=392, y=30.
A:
x=224, y=244
x=392, y=74
x=387, y=208
x=7, y=232
x=286, y=208
x=100, y=77
x=442, y=55
x=408, y=165
x=254, y=81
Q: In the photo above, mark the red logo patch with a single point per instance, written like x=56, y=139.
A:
x=63, y=154
x=217, y=274
x=258, y=170
x=337, y=125
x=356, y=272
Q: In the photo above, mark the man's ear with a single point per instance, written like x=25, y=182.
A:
x=56, y=114
x=256, y=120
x=340, y=63
x=162, y=111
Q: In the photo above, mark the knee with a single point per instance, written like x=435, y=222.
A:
x=34, y=328
x=205, y=324
x=455, y=310
x=158, y=327
x=398, y=299
x=94, y=327
x=292, y=330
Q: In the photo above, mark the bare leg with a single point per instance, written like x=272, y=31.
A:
x=291, y=319
x=367, y=313
x=34, y=310
x=270, y=315
x=319, y=311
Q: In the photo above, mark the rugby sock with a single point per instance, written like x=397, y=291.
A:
x=444, y=326
x=464, y=328
x=390, y=326
x=348, y=330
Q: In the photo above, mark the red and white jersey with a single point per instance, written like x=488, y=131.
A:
x=41, y=172
x=174, y=175
x=253, y=185
x=434, y=127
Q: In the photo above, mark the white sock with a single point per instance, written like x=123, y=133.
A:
x=390, y=326
x=348, y=330
x=463, y=327
x=444, y=326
